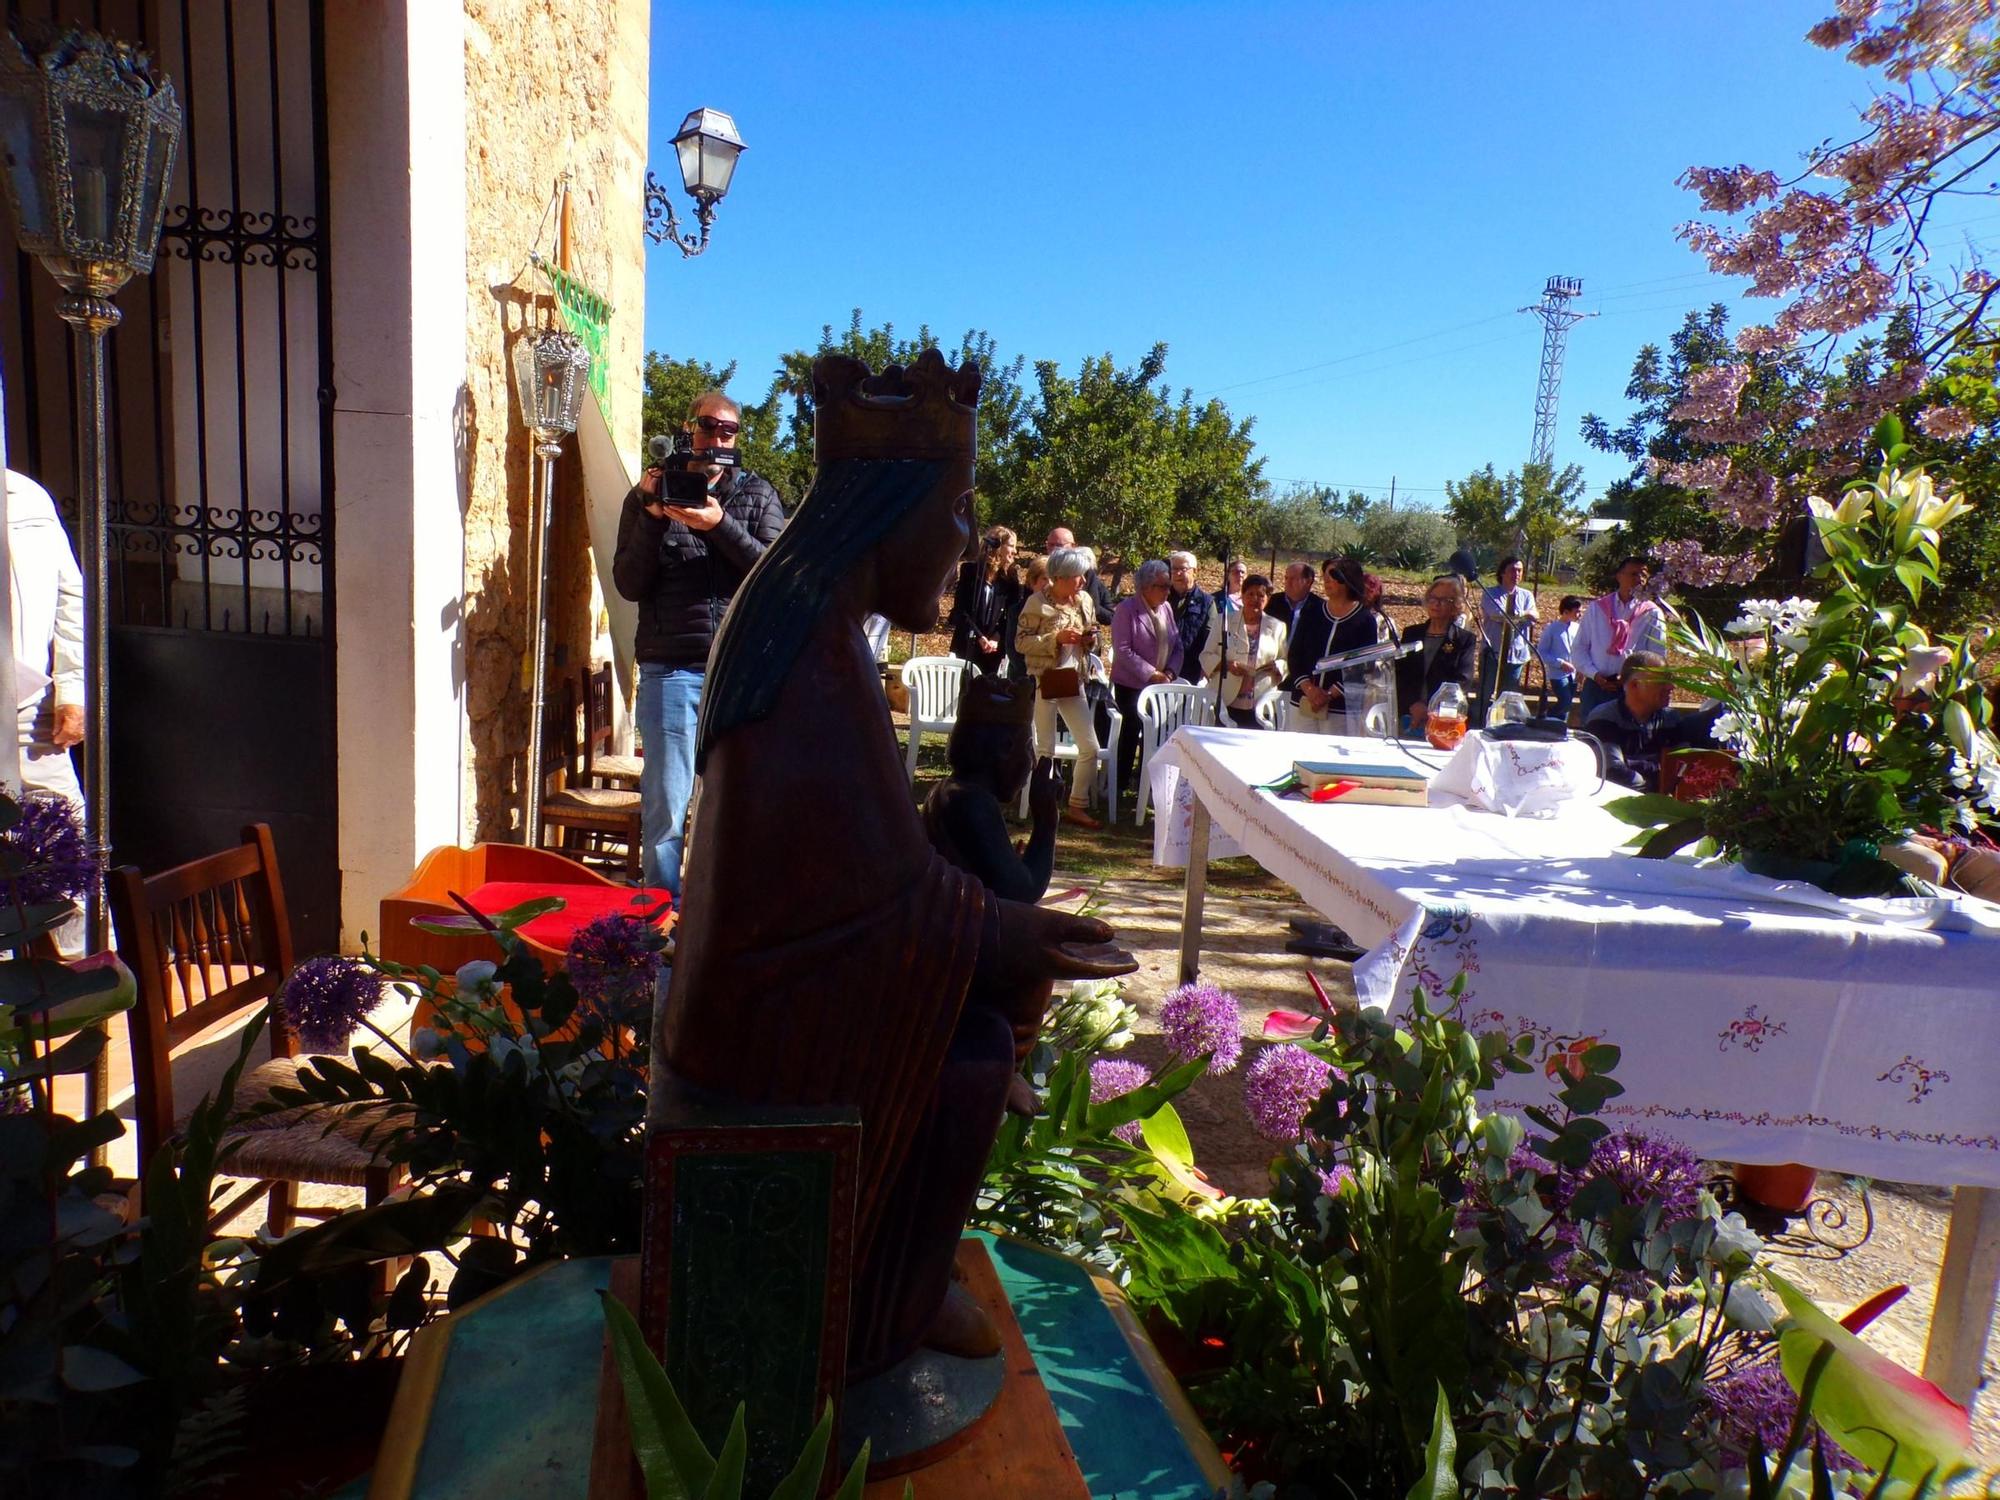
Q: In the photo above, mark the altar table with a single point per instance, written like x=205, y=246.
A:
x=1759, y=1022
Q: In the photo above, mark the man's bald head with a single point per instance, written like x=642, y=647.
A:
x=1059, y=536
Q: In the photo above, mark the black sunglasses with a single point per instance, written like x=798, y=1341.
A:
x=720, y=425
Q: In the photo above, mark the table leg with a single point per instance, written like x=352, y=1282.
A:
x=1968, y=1283
x=1194, y=894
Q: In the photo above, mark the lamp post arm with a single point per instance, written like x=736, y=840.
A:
x=663, y=226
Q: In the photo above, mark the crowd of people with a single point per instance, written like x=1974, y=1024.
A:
x=1052, y=617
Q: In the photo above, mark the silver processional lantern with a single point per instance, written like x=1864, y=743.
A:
x=88, y=133
x=707, y=146
x=551, y=376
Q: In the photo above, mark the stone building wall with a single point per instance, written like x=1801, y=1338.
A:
x=552, y=87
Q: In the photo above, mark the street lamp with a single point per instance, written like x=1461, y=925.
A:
x=88, y=132
x=551, y=374
x=707, y=146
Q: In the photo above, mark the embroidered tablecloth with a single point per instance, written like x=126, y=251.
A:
x=1759, y=1022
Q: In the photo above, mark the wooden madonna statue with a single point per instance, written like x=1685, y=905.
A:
x=827, y=955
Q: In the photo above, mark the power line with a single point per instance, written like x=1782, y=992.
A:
x=1359, y=354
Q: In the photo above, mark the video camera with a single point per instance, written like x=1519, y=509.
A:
x=681, y=466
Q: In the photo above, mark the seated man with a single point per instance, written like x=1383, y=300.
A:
x=1637, y=728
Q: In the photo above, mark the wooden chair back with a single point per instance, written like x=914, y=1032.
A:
x=203, y=940
x=562, y=741
x=594, y=689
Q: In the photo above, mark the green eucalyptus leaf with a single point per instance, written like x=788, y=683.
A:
x=87, y=1369
x=35, y=984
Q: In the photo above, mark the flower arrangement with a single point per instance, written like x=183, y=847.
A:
x=1851, y=726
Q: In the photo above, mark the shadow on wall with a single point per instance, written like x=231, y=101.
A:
x=495, y=631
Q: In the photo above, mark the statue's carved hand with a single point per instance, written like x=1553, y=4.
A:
x=1039, y=943
x=1044, y=792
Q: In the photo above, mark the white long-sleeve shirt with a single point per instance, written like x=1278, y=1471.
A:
x=48, y=596
x=1593, y=655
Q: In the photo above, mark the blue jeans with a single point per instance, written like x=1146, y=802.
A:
x=1563, y=691
x=668, y=708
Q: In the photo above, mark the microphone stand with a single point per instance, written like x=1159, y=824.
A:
x=1222, y=622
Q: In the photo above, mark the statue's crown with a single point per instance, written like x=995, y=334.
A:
x=997, y=700
x=929, y=411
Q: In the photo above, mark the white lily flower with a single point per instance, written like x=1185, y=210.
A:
x=1920, y=670
x=1960, y=730
x=476, y=977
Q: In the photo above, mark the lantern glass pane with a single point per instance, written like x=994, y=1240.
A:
x=97, y=168
x=688, y=148
x=21, y=146
x=718, y=164
x=153, y=190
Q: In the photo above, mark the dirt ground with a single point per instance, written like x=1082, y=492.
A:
x=1244, y=933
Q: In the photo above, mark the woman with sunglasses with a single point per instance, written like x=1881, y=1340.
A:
x=1450, y=654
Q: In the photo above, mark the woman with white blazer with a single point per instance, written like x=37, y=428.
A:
x=1254, y=643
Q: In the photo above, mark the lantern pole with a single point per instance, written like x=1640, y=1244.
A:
x=548, y=447
x=92, y=318
x=551, y=374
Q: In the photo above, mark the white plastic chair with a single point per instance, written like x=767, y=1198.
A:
x=1376, y=721
x=1107, y=763
x=1274, y=709
x=1163, y=708
x=934, y=683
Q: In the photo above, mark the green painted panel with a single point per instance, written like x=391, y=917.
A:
x=515, y=1399
x=1125, y=1441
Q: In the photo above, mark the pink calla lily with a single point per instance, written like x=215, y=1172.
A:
x=1289, y=1025
x=1894, y=1421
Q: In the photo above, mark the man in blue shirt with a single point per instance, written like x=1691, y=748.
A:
x=1556, y=648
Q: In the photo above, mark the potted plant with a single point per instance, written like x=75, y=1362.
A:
x=1851, y=726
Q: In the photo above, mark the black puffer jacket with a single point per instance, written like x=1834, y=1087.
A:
x=682, y=580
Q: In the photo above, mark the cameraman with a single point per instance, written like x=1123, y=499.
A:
x=681, y=562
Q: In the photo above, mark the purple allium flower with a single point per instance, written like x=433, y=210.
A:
x=1756, y=1403
x=325, y=999
x=615, y=964
x=1331, y=1178
x=1281, y=1087
x=1114, y=1078
x=61, y=866
x=1647, y=1169
x=1200, y=1019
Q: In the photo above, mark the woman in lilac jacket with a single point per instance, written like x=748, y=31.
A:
x=1145, y=648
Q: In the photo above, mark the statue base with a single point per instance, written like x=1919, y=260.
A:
x=973, y=1427
x=503, y=1397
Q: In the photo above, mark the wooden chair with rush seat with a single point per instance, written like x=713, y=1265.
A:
x=602, y=766
x=204, y=941
x=583, y=815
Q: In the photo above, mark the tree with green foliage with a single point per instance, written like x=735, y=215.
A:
x=1133, y=472
x=1481, y=506
x=1112, y=453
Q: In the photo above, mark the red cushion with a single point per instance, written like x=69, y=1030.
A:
x=583, y=904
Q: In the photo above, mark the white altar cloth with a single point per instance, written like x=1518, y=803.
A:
x=1758, y=1022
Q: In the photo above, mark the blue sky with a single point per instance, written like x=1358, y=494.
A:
x=1329, y=211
